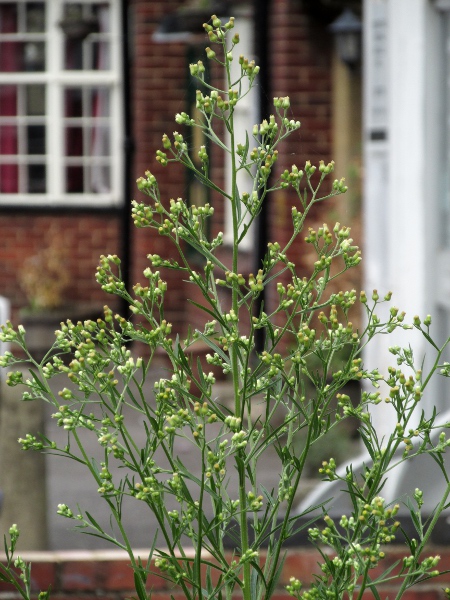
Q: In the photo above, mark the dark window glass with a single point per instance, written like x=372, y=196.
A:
x=74, y=141
x=35, y=17
x=74, y=179
x=8, y=17
x=36, y=139
x=37, y=179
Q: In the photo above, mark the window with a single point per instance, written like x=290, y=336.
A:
x=60, y=103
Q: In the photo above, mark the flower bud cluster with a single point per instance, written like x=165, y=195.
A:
x=239, y=440
x=218, y=361
x=177, y=420
x=339, y=186
x=297, y=217
x=150, y=490
x=256, y=284
x=328, y=470
x=326, y=169
x=248, y=68
x=294, y=587
x=147, y=184
x=273, y=361
x=402, y=388
x=109, y=282
x=161, y=157
x=283, y=102
x=344, y=299
x=184, y=119
x=292, y=177
x=141, y=214
x=8, y=333
x=107, y=487
x=71, y=419
x=203, y=156
x=287, y=295
x=267, y=129
x=14, y=378
x=196, y=70
x=14, y=533
x=65, y=511
x=285, y=489
x=207, y=104
x=165, y=565
x=30, y=442
x=7, y=359
x=216, y=462
x=306, y=338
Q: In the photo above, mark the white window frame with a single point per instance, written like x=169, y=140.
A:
x=56, y=79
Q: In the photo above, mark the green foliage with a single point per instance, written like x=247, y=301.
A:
x=296, y=375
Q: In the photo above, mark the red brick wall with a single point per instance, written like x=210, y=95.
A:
x=159, y=76
x=300, y=67
x=82, y=236
x=107, y=575
x=299, y=53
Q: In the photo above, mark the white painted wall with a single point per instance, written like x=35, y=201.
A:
x=401, y=194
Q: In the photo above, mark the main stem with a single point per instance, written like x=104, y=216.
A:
x=238, y=408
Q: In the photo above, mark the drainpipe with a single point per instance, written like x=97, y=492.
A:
x=262, y=50
x=128, y=154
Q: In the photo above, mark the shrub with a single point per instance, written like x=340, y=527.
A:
x=307, y=327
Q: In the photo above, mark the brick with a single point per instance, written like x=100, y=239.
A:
x=82, y=575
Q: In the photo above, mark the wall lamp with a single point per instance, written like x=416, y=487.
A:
x=347, y=31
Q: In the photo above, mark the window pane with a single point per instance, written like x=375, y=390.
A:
x=34, y=56
x=99, y=179
x=97, y=56
x=74, y=141
x=8, y=139
x=8, y=100
x=73, y=102
x=35, y=17
x=73, y=55
x=100, y=141
x=36, y=139
x=8, y=17
x=103, y=14
x=11, y=56
x=36, y=179
x=22, y=56
x=99, y=102
x=87, y=102
x=74, y=179
x=35, y=99
x=87, y=33
x=22, y=134
x=9, y=179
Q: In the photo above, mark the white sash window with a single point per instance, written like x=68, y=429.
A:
x=60, y=106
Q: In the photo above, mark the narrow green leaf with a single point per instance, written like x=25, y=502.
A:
x=93, y=522
x=140, y=588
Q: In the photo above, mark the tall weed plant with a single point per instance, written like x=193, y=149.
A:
x=309, y=326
